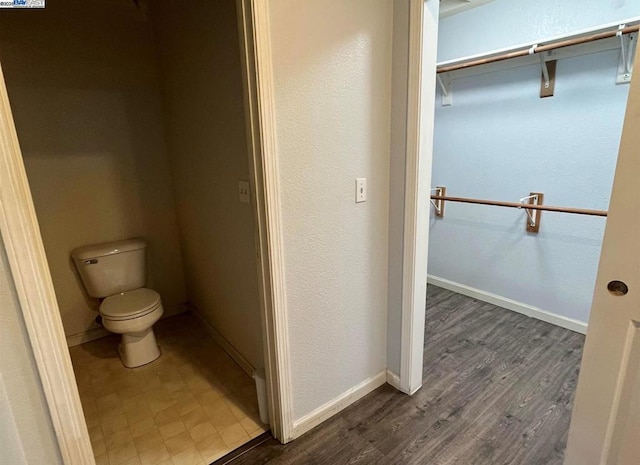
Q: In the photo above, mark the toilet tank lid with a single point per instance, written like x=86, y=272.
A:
x=109, y=248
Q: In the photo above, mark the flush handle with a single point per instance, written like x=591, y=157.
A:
x=91, y=261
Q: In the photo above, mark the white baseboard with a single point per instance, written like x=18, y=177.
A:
x=326, y=411
x=393, y=379
x=513, y=305
x=226, y=345
x=87, y=336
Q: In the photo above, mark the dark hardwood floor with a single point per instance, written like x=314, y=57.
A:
x=498, y=389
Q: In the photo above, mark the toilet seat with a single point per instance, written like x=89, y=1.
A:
x=130, y=305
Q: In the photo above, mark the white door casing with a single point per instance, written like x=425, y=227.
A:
x=423, y=38
x=255, y=46
x=605, y=426
x=34, y=287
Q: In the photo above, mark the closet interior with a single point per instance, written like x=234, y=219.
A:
x=525, y=148
x=526, y=142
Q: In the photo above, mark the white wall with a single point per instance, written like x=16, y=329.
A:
x=198, y=50
x=332, y=69
x=26, y=432
x=84, y=92
x=499, y=140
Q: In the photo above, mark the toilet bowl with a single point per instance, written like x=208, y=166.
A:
x=133, y=315
x=115, y=272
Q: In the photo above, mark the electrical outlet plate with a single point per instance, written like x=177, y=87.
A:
x=361, y=190
x=244, y=191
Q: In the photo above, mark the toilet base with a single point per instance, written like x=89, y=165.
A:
x=137, y=349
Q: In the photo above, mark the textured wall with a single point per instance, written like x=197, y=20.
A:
x=85, y=97
x=199, y=55
x=26, y=432
x=499, y=140
x=332, y=67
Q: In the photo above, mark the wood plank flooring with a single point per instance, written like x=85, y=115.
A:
x=498, y=389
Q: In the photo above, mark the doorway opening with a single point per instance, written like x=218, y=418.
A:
x=509, y=294
x=132, y=124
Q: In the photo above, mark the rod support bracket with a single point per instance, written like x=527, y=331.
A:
x=445, y=84
x=533, y=216
x=627, y=47
x=438, y=204
x=548, y=82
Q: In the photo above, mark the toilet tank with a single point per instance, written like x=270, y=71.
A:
x=111, y=268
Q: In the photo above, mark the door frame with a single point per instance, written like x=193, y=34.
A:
x=257, y=74
x=32, y=278
x=423, y=29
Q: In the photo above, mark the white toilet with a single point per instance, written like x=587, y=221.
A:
x=116, y=272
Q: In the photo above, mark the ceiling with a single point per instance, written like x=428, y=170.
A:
x=451, y=7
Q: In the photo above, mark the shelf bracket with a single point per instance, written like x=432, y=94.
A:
x=445, y=87
x=627, y=46
x=533, y=216
x=438, y=205
x=548, y=83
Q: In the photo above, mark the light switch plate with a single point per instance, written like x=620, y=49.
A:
x=361, y=190
x=244, y=191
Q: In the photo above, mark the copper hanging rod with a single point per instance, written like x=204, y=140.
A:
x=577, y=211
x=538, y=49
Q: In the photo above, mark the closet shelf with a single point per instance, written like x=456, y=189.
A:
x=537, y=48
x=611, y=36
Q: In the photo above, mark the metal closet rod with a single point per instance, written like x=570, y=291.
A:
x=539, y=49
x=577, y=211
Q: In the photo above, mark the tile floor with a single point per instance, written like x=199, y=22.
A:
x=190, y=407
